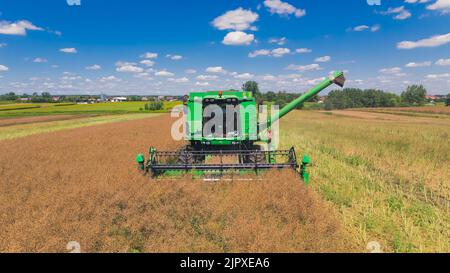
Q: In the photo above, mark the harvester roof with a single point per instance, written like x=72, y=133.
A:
x=240, y=95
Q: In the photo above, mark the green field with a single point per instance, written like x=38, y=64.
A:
x=39, y=109
x=387, y=175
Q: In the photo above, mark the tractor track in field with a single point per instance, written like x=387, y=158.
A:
x=82, y=185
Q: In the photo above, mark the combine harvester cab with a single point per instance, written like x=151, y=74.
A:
x=217, y=152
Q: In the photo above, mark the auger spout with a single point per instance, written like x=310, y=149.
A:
x=337, y=78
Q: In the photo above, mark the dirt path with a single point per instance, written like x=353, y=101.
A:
x=82, y=185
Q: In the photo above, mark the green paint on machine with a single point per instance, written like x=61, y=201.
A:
x=218, y=151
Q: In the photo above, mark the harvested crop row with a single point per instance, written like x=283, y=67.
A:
x=28, y=120
x=82, y=185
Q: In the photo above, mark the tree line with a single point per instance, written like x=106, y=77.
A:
x=35, y=97
x=414, y=95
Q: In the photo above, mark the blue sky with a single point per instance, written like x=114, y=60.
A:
x=173, y=47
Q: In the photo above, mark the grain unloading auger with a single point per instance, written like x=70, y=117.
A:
x=229, y=147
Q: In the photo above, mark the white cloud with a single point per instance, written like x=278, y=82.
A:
x=143, y=75
x=206, y=77
x=422, y=64
x=260, y=52
x=238, y=38
x=174, y=57
x=360, y=28
x=438, y=76
x=443, y=5
x=280, y=41
x=216, y=69
x=443, y=62
x=202, y=83
x=283, y=8
x=17, y=28
x=323, y=59
x=400, y=13
x=70, y=50
x=164, y=73
x=375, y=28
x=40, y=60
x=147, y=63
x=110, y=79
x=179, y=80
x=280, y=52
x=3, y=68
x=149, y=55
x=244, y=76
x=93, y=67
x=308, y=67
x=303, y=50
x=392, y=70
x=190, y=71
x=71, y=78
x=238, y=19
x=2, y=45
x=127, y=67
x=433, y=41
x=269, y=77
x=277, y=52
x=73, y=2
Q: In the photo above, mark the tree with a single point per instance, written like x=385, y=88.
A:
x=46, y=95
x=447, y=101
x=252, y=86
x=154, y=106
x=270, y=96
x=414, y=94
x=9, y=96
x=357, y=98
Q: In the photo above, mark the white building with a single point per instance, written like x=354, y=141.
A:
x=118, y=99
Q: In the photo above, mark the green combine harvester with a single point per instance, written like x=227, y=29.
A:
x=222, y=151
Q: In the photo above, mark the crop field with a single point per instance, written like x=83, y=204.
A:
x=82, y=185
x=19, y=127
x=426, y=111
x=40, y=109
x=375, y=177
x=387, y=175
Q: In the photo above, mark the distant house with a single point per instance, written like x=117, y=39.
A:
x=144, y=99
x=24, y=99
x=431, y=98
x=118, y=99
x=56, y=98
